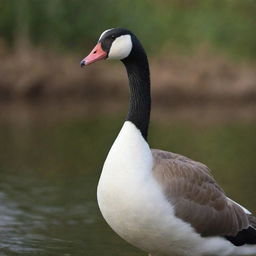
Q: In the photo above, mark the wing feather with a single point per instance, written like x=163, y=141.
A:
x=196, y=196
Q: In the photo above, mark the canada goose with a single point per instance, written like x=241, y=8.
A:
x=163, y=203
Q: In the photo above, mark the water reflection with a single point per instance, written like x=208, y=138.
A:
x=49, y=175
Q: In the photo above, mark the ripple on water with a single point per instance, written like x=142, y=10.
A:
x=35, y=216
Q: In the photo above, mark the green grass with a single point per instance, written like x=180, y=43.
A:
x=224, y=25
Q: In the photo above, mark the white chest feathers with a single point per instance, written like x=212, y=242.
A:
x=125, y=171
x=121, y=189
x=130, y=199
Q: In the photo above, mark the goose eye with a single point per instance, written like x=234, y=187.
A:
x=113, y=37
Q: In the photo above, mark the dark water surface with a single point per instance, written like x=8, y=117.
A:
x=49, y=174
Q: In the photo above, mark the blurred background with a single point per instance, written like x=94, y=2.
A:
x=58, y=121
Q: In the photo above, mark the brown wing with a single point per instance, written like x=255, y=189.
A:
x=196, y=196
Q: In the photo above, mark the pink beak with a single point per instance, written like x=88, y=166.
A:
x=96, y=54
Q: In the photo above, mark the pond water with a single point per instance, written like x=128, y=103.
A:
x=49, y=174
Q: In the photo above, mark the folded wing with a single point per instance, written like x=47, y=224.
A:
x=196, y=196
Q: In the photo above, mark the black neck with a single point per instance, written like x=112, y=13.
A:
x=139, y=81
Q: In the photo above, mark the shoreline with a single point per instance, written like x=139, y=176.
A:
x=53, y=86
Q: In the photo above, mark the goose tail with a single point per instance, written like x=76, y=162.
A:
x=245, y=236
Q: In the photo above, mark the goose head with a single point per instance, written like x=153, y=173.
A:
x=121, y=44
x=115, y=43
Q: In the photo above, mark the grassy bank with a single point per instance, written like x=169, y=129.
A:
x=45, y=85
x=202, y=52
x=40, y=74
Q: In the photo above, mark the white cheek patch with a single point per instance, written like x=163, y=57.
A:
x=121, y=47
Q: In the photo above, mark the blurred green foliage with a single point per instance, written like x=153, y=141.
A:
x=181, y=24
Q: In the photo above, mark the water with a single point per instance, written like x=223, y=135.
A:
x=49, y=174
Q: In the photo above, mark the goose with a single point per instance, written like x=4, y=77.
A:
x=163, y=203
